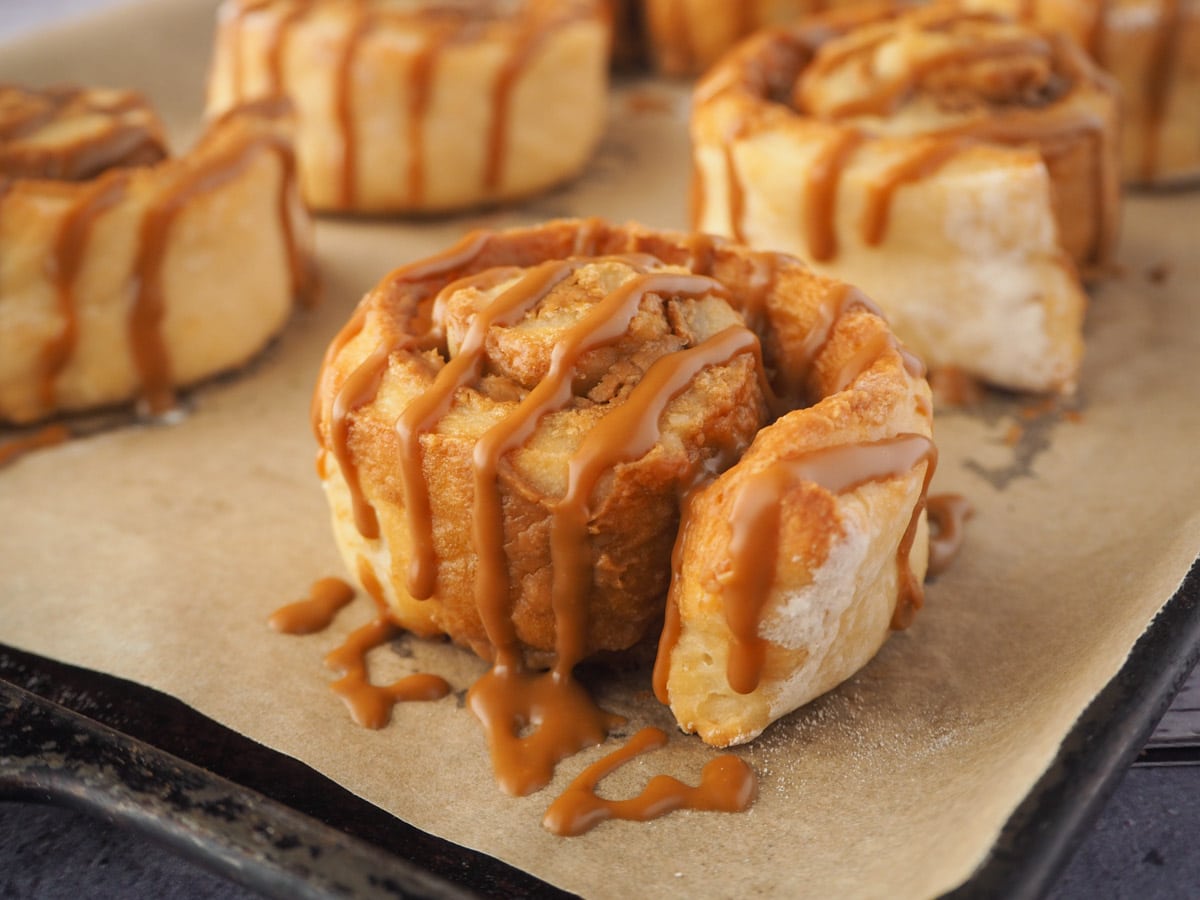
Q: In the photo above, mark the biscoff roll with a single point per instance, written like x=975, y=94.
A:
x=509, y=431
x=959, y=167
x=128, y=273
x=408, y=106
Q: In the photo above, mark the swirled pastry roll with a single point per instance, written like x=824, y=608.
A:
x=956, y=166
x=508, y=431
x=125, y=273
x=409, y=106
x=685, y=37
x=1150, y=47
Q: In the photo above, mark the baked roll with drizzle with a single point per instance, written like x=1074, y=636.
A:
x=957, y=166
x=515, y=433
x=423, y=106
x=685, y=37
x=127, y=273
x=1150, y=47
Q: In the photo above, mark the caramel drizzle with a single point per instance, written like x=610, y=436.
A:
x=316, y=611
x=727, y=784
x=146, y=316
x=363, y=384
x=527, y=43
x=48, y=436
x=370, y=705
x=948, y=514
x=824, y=176
x=508, y=699
x=755, y=521
x=344, y=105
x=421, y=90
x=627, y=433
x=603, y=324
x=422, y=414
x=70, y=246
x=928, y=157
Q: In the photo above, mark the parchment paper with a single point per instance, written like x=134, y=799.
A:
x=156, y=553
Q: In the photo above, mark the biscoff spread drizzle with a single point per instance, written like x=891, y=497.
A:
x=316, y=611
x=727, y=784
x=370, y=705
x=218, y=169
x=440, y=25
x=69, y=247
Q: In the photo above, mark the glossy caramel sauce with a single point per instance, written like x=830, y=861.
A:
x=370, y=705
x=315, y=612
x=727, y=784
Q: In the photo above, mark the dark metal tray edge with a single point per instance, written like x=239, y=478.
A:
x=1047, y=827
x=277, y=826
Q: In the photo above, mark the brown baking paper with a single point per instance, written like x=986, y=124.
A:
x=157, y=552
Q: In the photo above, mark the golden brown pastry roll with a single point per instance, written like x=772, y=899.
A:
x=956, y=166
x=126, y=274
x=433, y=106
x=508, y=432
x=685, y=37
x=1151, y=48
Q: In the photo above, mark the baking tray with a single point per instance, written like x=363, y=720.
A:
x=147, y=761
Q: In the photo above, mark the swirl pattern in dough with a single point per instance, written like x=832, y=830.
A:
x=957, y=166
x=509, y=431
x=126, y=273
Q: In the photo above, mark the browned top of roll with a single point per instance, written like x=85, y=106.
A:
x=942, y=74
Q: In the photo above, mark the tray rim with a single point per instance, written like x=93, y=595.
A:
x=1033, y=847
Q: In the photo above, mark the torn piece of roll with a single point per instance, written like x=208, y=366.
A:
x=423, y=106
x=957, y=166
x=127, y=273
x=1150, y=47
x=508, y=431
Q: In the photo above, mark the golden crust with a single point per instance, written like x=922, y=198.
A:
x=406, y=107
x=948, y=163
x=100, y=301
x=820, y=342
